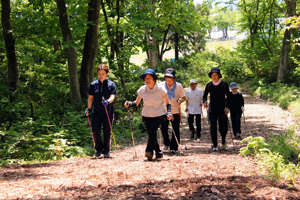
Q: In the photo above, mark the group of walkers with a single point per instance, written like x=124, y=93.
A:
x=161, y=105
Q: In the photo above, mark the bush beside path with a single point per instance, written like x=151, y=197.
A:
x=198, y=173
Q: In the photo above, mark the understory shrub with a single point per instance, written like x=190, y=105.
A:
x=279, y=155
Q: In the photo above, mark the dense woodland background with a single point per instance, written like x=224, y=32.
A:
x=49, y=51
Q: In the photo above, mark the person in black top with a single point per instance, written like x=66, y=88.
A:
x=218, y=108
x=102, y=93
x=236, y=106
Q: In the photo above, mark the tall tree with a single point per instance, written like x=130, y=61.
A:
x=70, y=51
x=90, y=48
x=283, y=66
x=12, y=66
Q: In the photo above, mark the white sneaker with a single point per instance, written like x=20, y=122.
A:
x=215, y=148
x=224, y=146
x=165, y=147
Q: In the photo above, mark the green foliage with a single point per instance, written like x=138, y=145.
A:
x=277, y=92
x=279, y=155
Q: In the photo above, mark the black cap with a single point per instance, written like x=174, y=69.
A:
x=170, y=73
x=213, y=70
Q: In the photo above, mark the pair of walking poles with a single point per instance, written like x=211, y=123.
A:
x=110, y=126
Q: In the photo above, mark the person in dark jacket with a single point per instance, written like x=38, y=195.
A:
x=236, y=106
x=218, y=108
x=102, y=93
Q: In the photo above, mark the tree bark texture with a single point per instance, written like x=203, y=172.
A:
x=90, y=44
x=283, y=65
x=70, y=51
x=176, y=46
x=12, y=65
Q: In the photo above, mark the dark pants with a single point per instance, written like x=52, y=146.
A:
x=236, y=122
x=223, y=127
x=152, y=124
x=164, y=131
x=198, y=123
x=97, y=122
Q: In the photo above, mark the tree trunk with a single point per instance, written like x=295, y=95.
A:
x=176, y=46
x=12, y=66
x=70, y=51
x=90, y=44
x=152, y=52
x=283, y=66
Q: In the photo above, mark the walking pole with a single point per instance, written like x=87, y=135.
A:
x=110, y=126
x=135, y=157
x=176, y=140
x=245, y=121
x=179, y=110
x=91, y=131
x=202, y=119
x=231, y=135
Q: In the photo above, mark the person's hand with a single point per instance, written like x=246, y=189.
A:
x=179, y=102
x=242, y=108
x=205, y=105
x=87, y=111
x=126, y=104
x=201, y=104
x=105, y=103
x=186, y=110
x=170, y=117
x=226, y=111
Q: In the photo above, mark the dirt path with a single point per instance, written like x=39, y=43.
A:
x=197, y=174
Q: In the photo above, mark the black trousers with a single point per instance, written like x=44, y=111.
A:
x=236, y=122
x=164, y=131
x=198, y=123
x=152, y=124
x=223, y=127
x=97, y=122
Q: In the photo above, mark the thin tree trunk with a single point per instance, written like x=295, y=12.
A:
x=283, y=66
x=176, y=46
x=70, y=51
x=12, y=65
x=90, y=43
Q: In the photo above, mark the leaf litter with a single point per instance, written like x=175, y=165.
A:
x=198, y=173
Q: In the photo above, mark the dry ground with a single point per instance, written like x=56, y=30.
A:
x=197, y=174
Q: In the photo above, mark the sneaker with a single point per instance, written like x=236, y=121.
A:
x=159, y=154
x=106, y=155
x=238, y=136
x=198, y=138
x=97, y=154
x=165, y=147
x=149, y=155
x=215, y=149
x=224, y=146
x=172, y=151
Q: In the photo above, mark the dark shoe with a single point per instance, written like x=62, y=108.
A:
x=172, y=151
x=198, y=138
x=238, y=136
x=159, y=154
x=192, y=134
x=106, y=155
x=97, y=154
x=149, y=155
x=215, y=149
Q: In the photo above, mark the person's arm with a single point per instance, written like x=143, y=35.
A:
x=226, y=110
x=169, y=109
x=111, y=98
x=205, y=96
x=90, y=103
x=133, y=103
x=186, y=106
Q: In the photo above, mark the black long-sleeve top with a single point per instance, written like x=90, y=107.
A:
x=218, y=101
x=235, y=102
